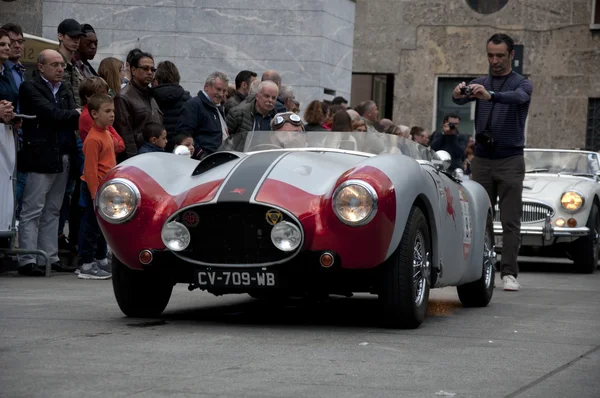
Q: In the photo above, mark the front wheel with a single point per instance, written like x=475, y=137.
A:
x=140, y=294
x=405, y=281
x=479, y=293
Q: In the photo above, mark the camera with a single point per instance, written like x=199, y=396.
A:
x=486, y=140
x=452, y=126
x=466, y=90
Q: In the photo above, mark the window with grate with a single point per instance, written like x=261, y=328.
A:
x=593, y=125
x=487, y=6
x=595, y=14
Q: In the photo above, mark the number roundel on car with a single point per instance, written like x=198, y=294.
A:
x=190, y=219
x=273, y=216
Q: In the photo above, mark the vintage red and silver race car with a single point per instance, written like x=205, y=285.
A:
x=293, y=213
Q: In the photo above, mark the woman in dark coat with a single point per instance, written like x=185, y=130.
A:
x=169, y=95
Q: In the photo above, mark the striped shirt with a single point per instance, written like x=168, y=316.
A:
x=512, y=97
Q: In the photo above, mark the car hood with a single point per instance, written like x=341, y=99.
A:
x=296, y=179
x=287, y=179
x=533, y=185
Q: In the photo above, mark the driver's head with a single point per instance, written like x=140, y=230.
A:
x=287, y=121
x=288, y=131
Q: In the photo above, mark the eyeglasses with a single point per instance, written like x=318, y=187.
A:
x=21, y=42
x=58, y=64
x=147, y=68
x=288, y=117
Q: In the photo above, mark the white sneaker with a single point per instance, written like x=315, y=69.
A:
x=510, y=283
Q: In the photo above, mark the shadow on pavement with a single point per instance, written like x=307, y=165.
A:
x=361, y=311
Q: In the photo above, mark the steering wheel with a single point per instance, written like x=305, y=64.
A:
x=265, y=146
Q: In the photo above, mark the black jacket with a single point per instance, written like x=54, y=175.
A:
x=170, y=99
x=52, y=133
x=455, y=145
x=200, y=119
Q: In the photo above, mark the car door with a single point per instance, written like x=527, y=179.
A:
x=455, y=226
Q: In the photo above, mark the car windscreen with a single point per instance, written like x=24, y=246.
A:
x=554, y=162
x=357, y=141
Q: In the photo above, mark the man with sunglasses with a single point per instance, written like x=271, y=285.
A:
x=135, y=106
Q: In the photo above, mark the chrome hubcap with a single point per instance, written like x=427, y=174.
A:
x=421, y=268
x=489, y=258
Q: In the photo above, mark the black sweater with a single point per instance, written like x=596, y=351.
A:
x=512, y=99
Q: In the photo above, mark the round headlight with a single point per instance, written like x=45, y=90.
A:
x=571, y=201
x=286, y=236
x=118, y=200
x=355, y=202
x=175, y=236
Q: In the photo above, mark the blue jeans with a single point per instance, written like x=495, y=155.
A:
x=92, y=244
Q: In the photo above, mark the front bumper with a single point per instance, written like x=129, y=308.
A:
x=552, y=231
x=543, y=235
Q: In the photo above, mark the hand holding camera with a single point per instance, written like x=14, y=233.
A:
x=480, y=92
x=449, y=128
x=463, y=90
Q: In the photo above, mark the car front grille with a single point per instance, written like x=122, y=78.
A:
x=231, y=233
x=532, y=212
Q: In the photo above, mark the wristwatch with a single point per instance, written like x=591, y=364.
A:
x=491, y=95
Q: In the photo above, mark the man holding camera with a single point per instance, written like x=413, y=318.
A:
x=451, y=141
x=502, y=104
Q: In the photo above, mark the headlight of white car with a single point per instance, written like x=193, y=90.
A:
x=355, y=202
x=571, y=200
x=117, y=200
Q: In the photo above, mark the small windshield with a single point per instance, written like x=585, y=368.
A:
x=366, y=142
x=554, y=162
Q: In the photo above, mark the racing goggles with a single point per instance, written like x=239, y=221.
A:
x=288, y=117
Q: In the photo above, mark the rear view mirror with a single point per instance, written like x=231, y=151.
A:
x=444, y=160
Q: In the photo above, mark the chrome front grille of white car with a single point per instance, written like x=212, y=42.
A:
x=532, y=212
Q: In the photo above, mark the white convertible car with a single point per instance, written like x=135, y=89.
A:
x=561, y=206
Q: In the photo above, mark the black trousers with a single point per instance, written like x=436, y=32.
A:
x=503, y=181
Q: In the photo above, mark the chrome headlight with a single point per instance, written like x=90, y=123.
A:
x=355, y=202
x=117, y=200
x=571, y=200
x=286, y=236
x=175, y=236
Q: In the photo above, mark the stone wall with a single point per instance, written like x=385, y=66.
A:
x=308, y=41
x=26, y=13
x=418, y=40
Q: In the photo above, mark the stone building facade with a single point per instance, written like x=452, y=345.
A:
x=308, y=41
x=429, y=45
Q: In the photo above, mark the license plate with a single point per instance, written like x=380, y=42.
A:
x=250, y=278
x=498, y=241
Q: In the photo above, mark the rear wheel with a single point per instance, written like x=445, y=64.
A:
x=140, y=294
x=479, y=293
x=586, y=250
x=405, y=281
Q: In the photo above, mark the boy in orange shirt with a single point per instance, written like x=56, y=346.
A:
x=99, y=155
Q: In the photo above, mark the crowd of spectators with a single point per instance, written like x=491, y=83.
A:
x=86, y=117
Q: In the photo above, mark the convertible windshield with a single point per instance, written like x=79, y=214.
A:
x=554, y=162
x=366, y=142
